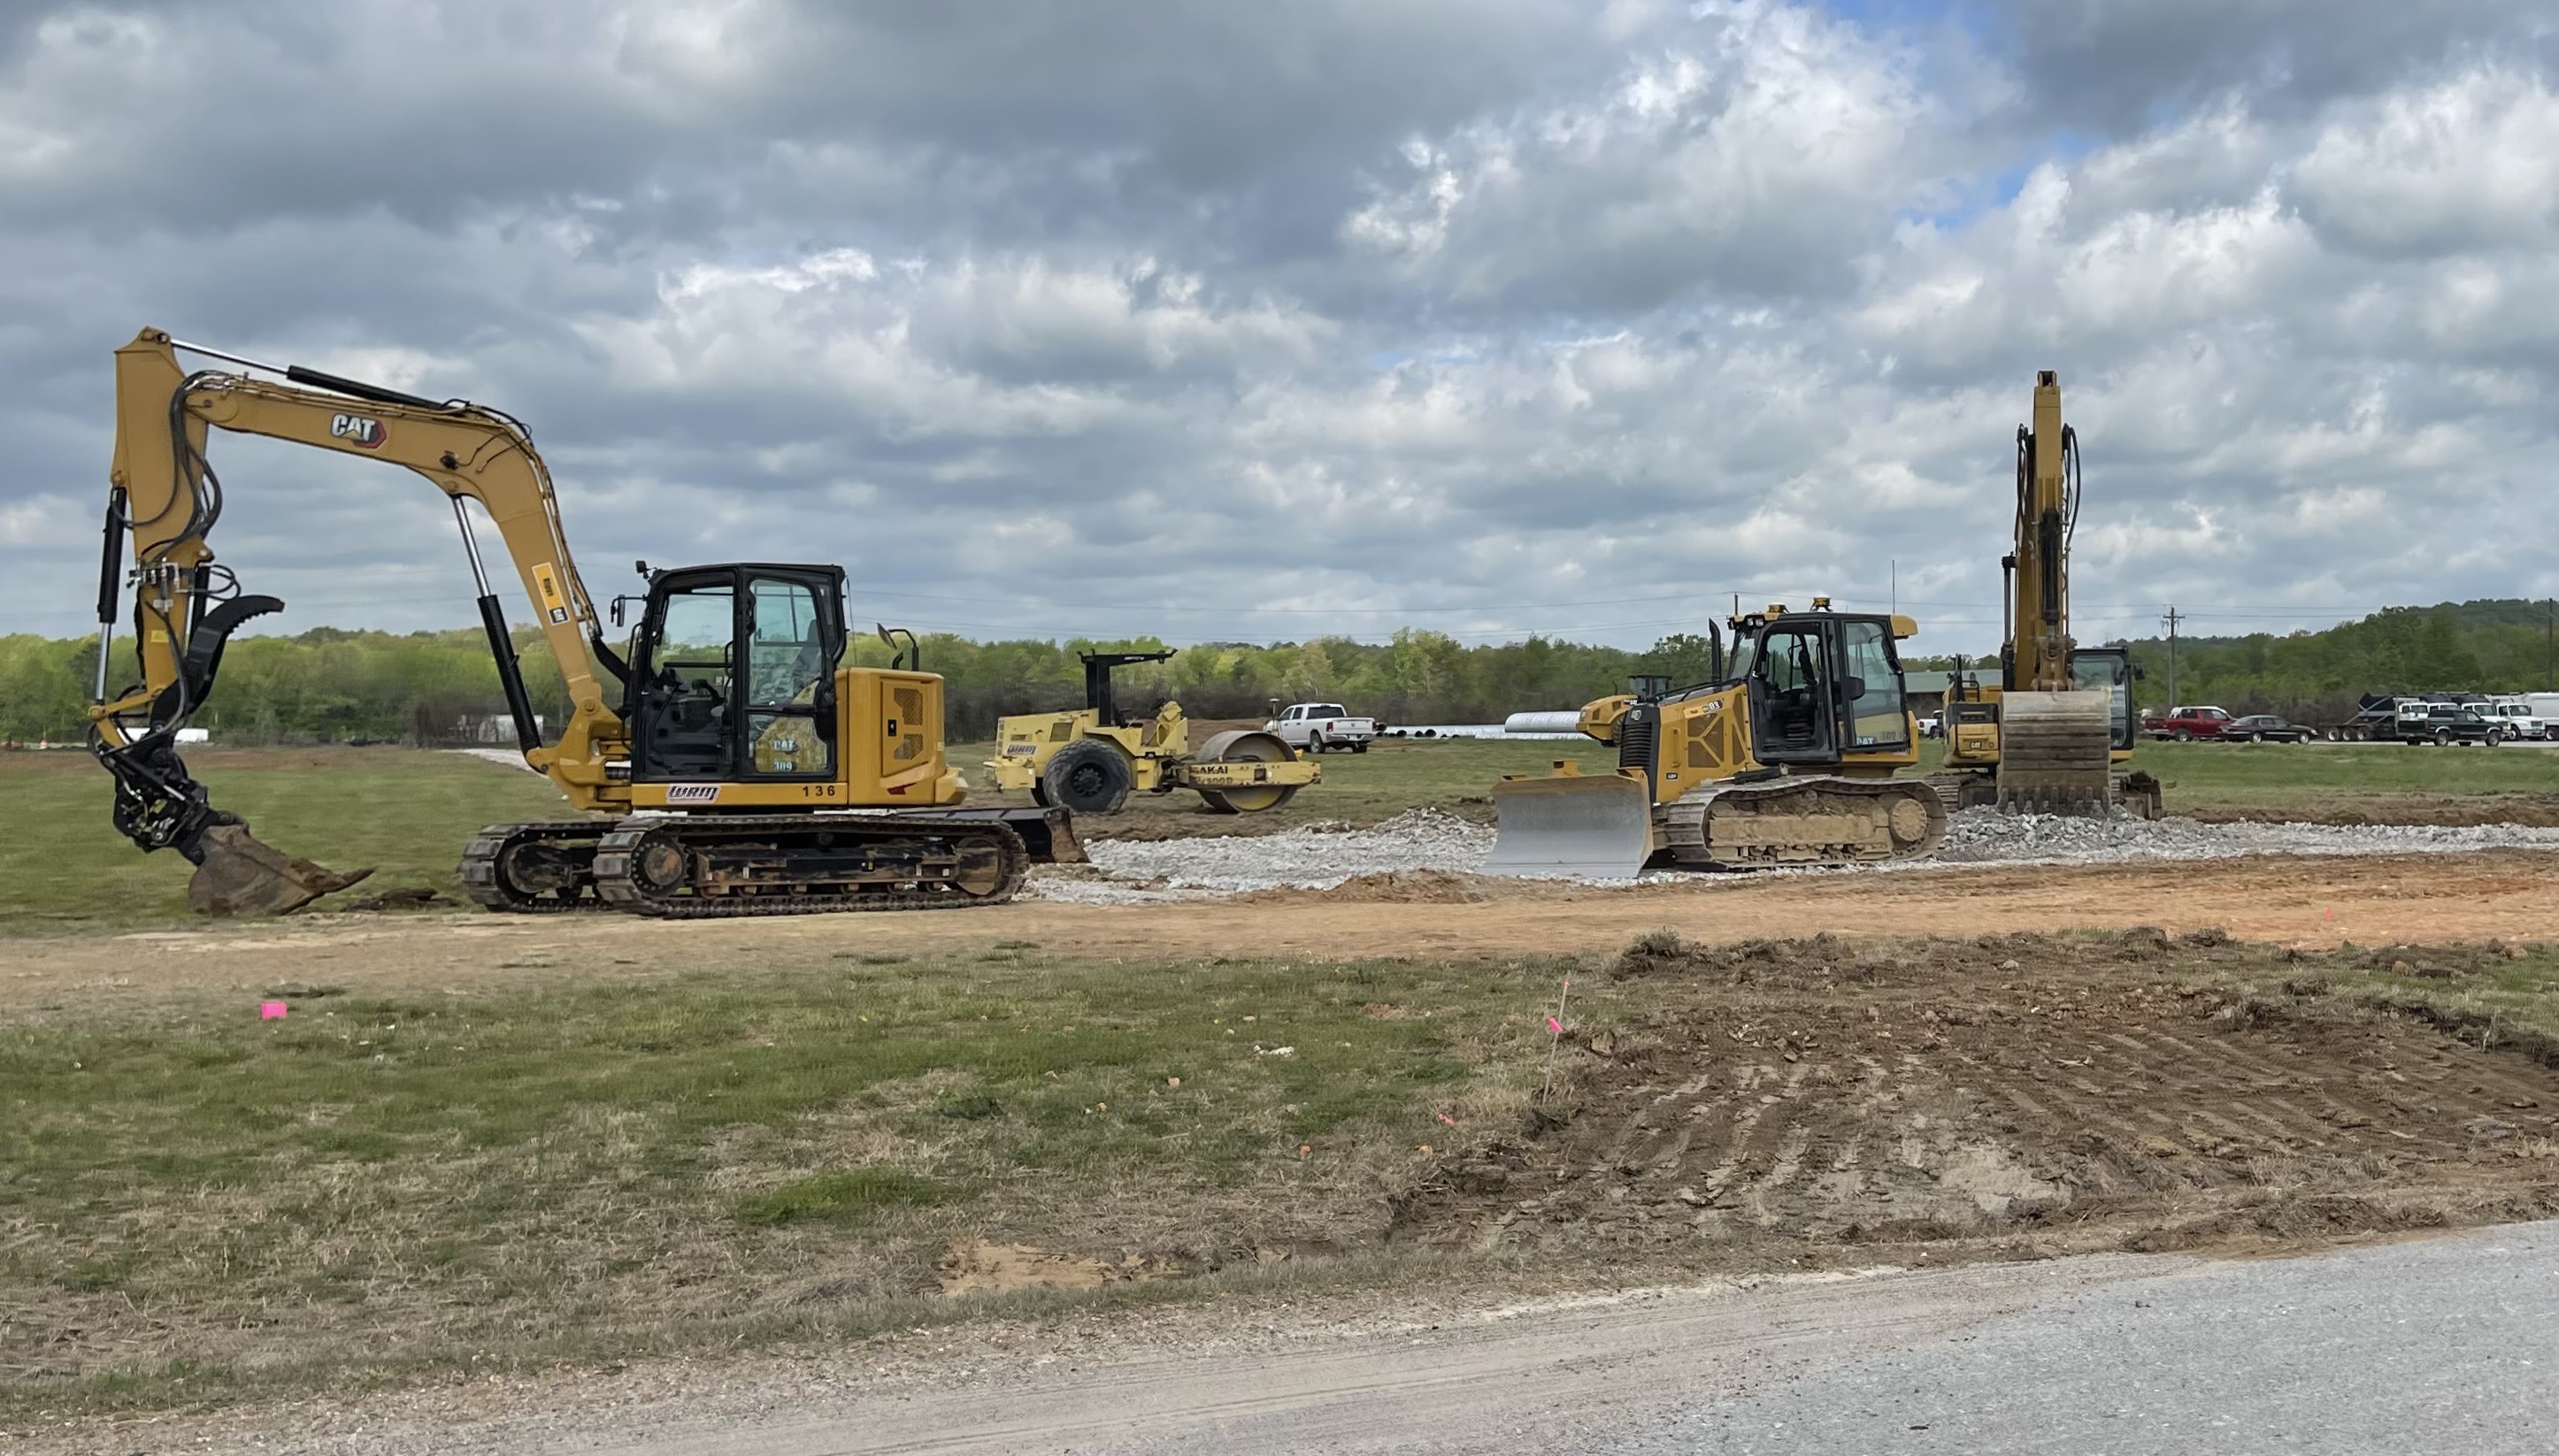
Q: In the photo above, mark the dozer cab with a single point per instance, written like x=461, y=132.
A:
x=2055, y=732
x=742, y=768
x=1786, y=758
x=1090, y=759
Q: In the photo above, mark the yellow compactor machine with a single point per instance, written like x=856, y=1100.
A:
x=736, y=766
x=1786, y=758
x=1090, y=759
x=2053, y=734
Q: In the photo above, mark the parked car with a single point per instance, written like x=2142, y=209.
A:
x=2448, y=724
x=1322, y=727
x=2266, y=728
x=2187, y=723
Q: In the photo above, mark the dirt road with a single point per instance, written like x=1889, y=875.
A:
x=2508, y=894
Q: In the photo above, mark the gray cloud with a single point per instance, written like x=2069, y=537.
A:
x=1118, y=318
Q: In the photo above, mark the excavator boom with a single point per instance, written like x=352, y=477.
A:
x=165, y=500
x=2055, y=739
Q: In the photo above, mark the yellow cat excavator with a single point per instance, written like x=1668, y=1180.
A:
x=2051, y=735
x=742, y=768
x=1786, y=757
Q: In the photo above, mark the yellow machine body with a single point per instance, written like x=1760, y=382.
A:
x=748, y=708
x=1793, y=761
x=2054, y=732
x=1242, y=772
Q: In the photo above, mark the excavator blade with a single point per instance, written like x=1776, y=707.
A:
x=1598, y=827
x=237, y=874
x=2054, y=753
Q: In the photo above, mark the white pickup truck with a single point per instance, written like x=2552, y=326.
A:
x=1317, y=727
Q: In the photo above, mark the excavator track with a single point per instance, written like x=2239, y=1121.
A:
x=534, y=869
x=1811, y=821
x=703, y=867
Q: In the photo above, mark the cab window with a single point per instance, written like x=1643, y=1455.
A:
x=1872, y=688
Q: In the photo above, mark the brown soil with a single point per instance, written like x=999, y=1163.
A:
x=2417, y=899
x=2538, y=811
x=2052, y=1093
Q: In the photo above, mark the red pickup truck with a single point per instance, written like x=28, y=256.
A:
x=2187, y=723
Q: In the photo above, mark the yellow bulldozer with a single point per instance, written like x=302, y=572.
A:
x=740, y=766
x=1087, y=759
x=1786, y=757
x=2054, y=734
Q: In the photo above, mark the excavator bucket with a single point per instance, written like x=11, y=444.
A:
x=2054, y=753
x=1597, y=828
x=237, y=874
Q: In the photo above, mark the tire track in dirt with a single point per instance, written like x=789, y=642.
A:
x=1818, y=1099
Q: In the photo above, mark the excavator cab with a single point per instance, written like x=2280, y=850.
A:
x=732, y=674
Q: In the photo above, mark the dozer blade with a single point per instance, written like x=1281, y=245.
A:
x=237, y=874
x=1599, y=828
x=2054, y=753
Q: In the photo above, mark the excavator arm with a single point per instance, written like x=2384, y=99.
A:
x=165, y=500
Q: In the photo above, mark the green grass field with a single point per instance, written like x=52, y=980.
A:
x=432, y=1181
x=408, y=814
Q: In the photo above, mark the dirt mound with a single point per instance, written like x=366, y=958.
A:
x=1980, y=1090
x=2450, y=810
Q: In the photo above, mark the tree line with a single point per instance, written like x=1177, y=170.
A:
x=437, y=687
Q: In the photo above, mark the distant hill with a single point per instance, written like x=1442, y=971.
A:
x=2496, y=646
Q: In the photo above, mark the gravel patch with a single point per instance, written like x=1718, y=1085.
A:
x=1986, y=836
x=1319, y=857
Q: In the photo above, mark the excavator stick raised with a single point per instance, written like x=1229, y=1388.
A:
x=1597, y=828
x=2054, y=753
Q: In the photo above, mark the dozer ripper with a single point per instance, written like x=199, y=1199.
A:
x=742, y=768
x=1088, y=759
x=1786, y=758
x=2051, y=736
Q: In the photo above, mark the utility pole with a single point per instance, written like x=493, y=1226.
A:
x=2550, y=644
x=1896, y=584
x=2174, y=618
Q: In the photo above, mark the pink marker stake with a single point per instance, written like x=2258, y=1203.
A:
x=1555, y=1035
x=271, y=1011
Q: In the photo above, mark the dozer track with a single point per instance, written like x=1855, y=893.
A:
x=706, y=867
x=1602, y=825
x=1813, y=820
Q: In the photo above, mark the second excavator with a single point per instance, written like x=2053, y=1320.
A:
x=742, y=768
x=2052, y=735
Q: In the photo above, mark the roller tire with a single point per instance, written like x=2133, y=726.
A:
x=1087, y=777
x=1246, y=746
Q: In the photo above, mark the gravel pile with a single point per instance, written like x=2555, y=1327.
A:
x=1135, y=872
x=1986, y=836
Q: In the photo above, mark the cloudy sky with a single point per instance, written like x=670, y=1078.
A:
x=1253, y=320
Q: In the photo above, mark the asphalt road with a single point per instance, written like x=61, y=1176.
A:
x=2449, y=1346
x=2443, y=1346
